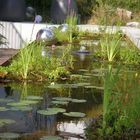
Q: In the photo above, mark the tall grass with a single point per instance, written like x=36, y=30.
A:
x=71, y=20
x=110, y=45
x=22, y=65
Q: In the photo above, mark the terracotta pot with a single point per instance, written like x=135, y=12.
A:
x=12, y=10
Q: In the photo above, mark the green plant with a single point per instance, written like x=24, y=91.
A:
x=71, y=20
x=110, y=45
x=130, y=55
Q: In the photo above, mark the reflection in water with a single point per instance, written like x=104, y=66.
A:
x=119, y=96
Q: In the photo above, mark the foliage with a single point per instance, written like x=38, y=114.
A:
x=110, y=45
x=121, y=113
x=30, y=64
x=130, y=55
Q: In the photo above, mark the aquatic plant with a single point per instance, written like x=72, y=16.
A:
x=75, y=114
x=51, y=138
x=110, y=45
x=71, y=20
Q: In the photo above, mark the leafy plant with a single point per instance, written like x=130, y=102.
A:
x=110, y=45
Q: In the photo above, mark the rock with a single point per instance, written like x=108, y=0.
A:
x=124, y=14
x=133, y=24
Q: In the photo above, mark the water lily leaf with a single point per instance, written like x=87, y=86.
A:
x=62, y=98
x=3, y=109
x=17, y=104
x=83, y=70
x=21, y=108
x=1, y=124
x=47, y=112
x=83, y=84
x=57, y=109
x=95, y=87
x=51, y=138
x=78, y=101
x=6, y=121
x=56, y=86
x=34, y=97
x=75, y=114
x=29, y=102
x=60, y=102
x=8, y=135
x=3, y=100
x=76, y=76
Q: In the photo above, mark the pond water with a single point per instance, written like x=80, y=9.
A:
x=85, y=94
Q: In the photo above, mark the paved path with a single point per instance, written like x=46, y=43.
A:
x=6, y=55
x=134, y=35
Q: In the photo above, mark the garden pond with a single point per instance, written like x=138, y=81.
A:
x=65, y=109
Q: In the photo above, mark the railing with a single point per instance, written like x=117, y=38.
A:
x=13, y=37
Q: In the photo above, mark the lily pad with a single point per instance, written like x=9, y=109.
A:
x=3, y=109
x=17, y=104
x=75, y=114
x=78, y=101
x=21, y=108
x=83, y=84
x=51, y=111
x=95, y=87
x=56, y=86
x=47, y=112
x=29, y=102
x=60, y=102
x=3, y=100
x=51, y=138
x=34, y=97
x=6, y=121
x=8, y=135
x=57, y=109
x=62, y=98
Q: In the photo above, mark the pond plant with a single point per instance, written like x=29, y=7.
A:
x=30, y=64
x=120, y=110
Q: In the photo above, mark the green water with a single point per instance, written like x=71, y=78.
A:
x=87, y=84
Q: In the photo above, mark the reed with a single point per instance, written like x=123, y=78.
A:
x=110, y=45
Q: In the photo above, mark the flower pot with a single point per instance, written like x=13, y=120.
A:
x=60, y=9
x=12, y=10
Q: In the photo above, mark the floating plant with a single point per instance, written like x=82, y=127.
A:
x=75, y=114
x=17, y=104
x=34, y=97
x=60, y=102
x=8, y=135
x=78, y=101
x=95, y=87
x=62, y=98
x=57, y=109
x=3, y=109
x=29, y=102
x=23, y=103
x=21, y=108
x=47, y=112
x=51, y=111
x=51, y=138
x=6, y=121
x=3, y=100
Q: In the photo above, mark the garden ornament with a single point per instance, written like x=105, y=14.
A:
x=45, y=35
x=30, y=12
x=38, y=19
